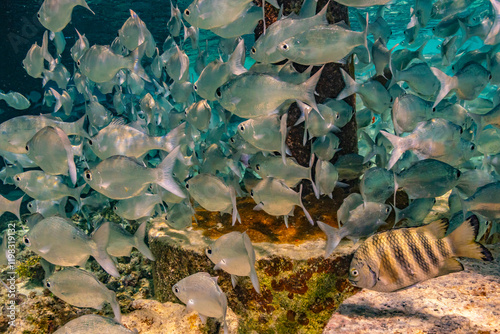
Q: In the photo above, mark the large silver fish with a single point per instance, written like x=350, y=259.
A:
x=60, y=242
x=396, y=259
x=54, y=15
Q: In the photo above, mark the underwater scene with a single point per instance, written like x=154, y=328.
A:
x=239, y=166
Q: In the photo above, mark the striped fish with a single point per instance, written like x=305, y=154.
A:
x=399, y=258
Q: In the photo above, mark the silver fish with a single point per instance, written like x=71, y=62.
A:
x=80, y=288
x=60, y=242
x=54, y=15
x=42, y=186
x=92, y=323
x=121, y=242
x=201, y=293
x=233, y=252
x=137, y=207
x=134, y=177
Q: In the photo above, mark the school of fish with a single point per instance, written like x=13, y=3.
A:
x=138, y=127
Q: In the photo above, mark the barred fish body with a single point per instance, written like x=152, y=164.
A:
x=397, y=259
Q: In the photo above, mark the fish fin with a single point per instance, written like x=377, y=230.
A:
x=251, y=255
x=447, y=84
x=235, y=65
x=203, y=318
x=332, y=235
x=174, y=138
x=308, y=87
x=313, y=184
x=57, y=96
x=101, y=237
x=394, y=71
x=350, y=88
x=437, y=228
x=258, y=207
x=308, y=216
x=140, y=244
x=136, y=66
x=83, y=3
x=273, y=3
x=47, y=267
x=365, y=37
x=77, y=193
x=190, y=307
x=115, y=306
x=234, y=280
x=255, y=280
x=463, y=244
x=283, y=132
x=400, y=146
x=285, y=219
x=420, y=54
x=236, y=215
x=69, y=154
x=449, y=266
x=165, y=169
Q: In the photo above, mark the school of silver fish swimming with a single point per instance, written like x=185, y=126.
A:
x=427, y=123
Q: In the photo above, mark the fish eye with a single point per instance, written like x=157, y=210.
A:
x=232, y=140
x=91, y=142
x=489, y=77
x=461, y=130
x=195, y=87
x=187, y=12
x=251, y=192
x=27, y=147
x=88, y=175
x=354, y=272
x=253, y=50
x=434, y=109
x=284, y=47
x=38, y=15
x=176, y=289
x=30, y=205
x=209, y=251
x=387, y=210
x=337, y=116
x=166, y=217
x=78, y=62
x=115, y=208
x=27, y=241
x=392, y=99
x=47, y=284
x=257, y=167
x=472, y=147
x=218, y=93
x=458, y=173
x=242, y=127
x=187, y=185
x=18, y=178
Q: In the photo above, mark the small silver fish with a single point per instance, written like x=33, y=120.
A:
x=42, y=186
x=201, y=293
x=142, y=206
x=80, y=288
x=60, y=242
x=363, y=221
x=233, y=252
x=121, y=242
x=15, y=100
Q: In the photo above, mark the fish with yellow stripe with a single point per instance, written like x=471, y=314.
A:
x=399, y=258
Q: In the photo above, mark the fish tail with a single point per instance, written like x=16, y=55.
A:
x=350, y=88
x=77, y=192
x=447, y=84
x=16, y=207
x=333, y=237
x=140, y=244
x=395, y=73
x=399, y=144
x=463, y=244
x=491, y=38
x=235, y=61
x=173, y=139
x=314, y=186
x=45, y=50
x=365, y=38
x=136, y=66
x=165, y=169
x=101, y=237
x=308, y=216
x=308, y=87
x=420, y=51
x=83, y=3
